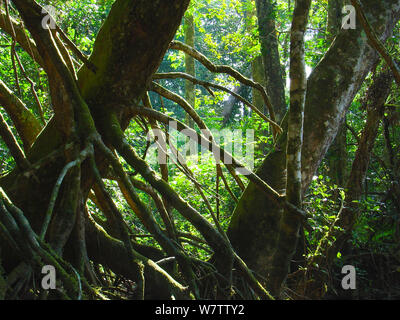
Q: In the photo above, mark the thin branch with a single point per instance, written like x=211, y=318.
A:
x=64, y=52
x=375, y=42
x=195, y=244
x=185, y=170
x=17, y=32
x=123, y=231
x=75, y=50
x=182, y=166
x=12, y=144
x=160, y=141
x=12, y=53
x=159, y=204
x=39, y=105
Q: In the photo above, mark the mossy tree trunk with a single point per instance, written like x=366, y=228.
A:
x=290, y=225
x=337, y=154
x=127, y=51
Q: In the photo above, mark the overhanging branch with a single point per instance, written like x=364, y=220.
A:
x=227, y=70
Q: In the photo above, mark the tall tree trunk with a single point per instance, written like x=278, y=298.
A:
x=375, y=106
x=257, y=66
x=270, y=55
x=258, y=75
x=338, y=151
x=290, y=224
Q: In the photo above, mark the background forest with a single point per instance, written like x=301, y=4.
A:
x=360, y=170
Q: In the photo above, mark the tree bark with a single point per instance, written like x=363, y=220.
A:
x=338, y=157
x=290, y=224
x=190, y=69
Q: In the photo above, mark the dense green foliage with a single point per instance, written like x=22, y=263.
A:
x=226, y=32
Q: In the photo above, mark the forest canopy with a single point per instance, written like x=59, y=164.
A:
x=203, y=149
